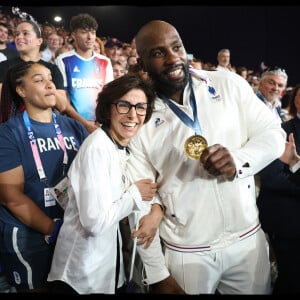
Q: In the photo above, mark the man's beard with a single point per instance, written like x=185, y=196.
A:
x=167, y=87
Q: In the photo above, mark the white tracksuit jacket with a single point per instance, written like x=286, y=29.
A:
x=204, y=212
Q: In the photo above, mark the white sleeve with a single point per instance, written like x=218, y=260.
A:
x=154, y=265
x=295, y=167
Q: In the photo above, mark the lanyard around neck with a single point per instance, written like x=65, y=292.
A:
x=34, y=148
x=192, y=123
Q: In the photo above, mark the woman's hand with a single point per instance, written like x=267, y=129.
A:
x=147, y=188
x=148, y=226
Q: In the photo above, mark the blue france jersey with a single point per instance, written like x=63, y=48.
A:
x=84, y=79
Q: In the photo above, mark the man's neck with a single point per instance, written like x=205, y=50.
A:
x=85, y=54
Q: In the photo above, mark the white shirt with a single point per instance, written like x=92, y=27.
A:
x=2, y=57
x=86, y=248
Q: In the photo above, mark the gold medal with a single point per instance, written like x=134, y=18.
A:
x=194, y=146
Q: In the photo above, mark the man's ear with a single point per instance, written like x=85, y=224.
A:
x=20, y=91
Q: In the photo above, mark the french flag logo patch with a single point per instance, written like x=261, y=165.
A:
x=158, y=122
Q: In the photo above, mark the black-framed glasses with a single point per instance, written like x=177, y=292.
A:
x=123, y=107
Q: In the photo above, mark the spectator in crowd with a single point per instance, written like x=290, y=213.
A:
x=52, y=46
x=131, y=60
x=118, y=69
x=6, y=53
x=85, y=72
x=28, y=36
x=253, y=80
x=36, y=149
x=99, y=46
x=113, y=48
x=208, y=66
x=68, y=45
x=11, y=39
x=223, y=59
x=133, y=51
x=123, y=60
x=242, y=71
x=203, y=144
x=271, y=87
x=88, y=255
x=278, y=203
x=126, y=49
x=196, y=63
x=47, y=29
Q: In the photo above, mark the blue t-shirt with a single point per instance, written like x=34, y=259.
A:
x=15, y=150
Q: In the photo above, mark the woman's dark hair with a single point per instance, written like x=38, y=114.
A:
x=11, y=102
x=292, y=107
x=36, y=27
x=115, y=89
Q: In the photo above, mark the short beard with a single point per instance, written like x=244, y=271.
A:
x=166, y=87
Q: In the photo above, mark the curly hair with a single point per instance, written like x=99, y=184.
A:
x=83, y=21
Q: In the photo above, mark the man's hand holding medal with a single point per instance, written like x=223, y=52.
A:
x=217, y=160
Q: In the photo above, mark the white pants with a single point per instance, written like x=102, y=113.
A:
x=241, y=268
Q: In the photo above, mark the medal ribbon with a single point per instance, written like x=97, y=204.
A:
x=35, y=150
x=194, y=124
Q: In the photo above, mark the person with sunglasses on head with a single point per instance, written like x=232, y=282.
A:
x=270, y=90
x=279, y=205
x=208, y=136
x=88, y=255
x=36, y=150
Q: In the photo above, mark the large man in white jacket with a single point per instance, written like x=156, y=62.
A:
x=212, y=240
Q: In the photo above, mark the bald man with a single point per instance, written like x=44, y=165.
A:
x=210, y=232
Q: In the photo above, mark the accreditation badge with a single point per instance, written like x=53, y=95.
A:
x=60, y=192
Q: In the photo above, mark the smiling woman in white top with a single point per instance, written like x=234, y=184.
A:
x=88, y=255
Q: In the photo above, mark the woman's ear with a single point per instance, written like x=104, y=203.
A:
x=20, y=91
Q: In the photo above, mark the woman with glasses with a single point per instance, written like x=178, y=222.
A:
x=88, y=255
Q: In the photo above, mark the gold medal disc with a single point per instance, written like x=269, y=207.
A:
x=194, y=146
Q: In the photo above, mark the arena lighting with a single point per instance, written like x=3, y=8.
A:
x=57, y=19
